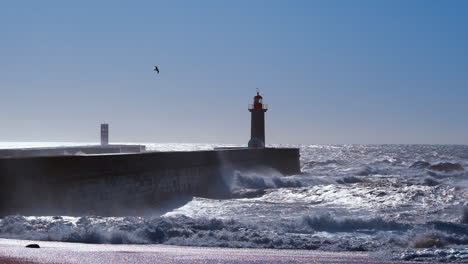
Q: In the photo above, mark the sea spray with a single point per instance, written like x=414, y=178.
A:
x=255, y=180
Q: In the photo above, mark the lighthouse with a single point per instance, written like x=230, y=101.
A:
x=257, y=127
x=104, y=134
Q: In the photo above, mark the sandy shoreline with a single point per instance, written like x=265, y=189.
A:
x=14, y=252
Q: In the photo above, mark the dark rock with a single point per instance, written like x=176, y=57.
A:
x=447, y=167
x=33, y=246
x=420, y=164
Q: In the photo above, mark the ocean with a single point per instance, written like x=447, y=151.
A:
x=400, y=202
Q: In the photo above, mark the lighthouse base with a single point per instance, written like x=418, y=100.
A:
x=256, y=143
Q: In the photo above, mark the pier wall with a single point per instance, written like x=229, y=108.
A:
x=123, y=183
x=72, y=150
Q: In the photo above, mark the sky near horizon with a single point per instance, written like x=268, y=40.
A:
x=331, y=71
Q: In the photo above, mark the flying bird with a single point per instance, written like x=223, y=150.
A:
x=156, y=69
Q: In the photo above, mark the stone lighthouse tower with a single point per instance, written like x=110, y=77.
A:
x=257, y=130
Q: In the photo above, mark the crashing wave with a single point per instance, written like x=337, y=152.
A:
x=328, y=223
x=183, y=230
x=371, y=170
x=323, y=232
x=253, y=180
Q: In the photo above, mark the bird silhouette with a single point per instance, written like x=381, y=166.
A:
x=156, y=69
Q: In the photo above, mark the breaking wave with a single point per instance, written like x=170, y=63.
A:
x=253, y=180
x=183, y=230
x=298, y=233
x=331, y=224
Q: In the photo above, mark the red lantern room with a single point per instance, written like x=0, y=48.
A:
x=258, y=101
x=258, y=104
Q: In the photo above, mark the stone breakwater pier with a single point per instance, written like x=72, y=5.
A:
x=124, y=183
x=109, y=179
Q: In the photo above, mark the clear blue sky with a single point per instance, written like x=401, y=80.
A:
x=331, y=71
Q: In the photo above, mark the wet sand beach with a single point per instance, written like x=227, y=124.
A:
x=14, y=252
